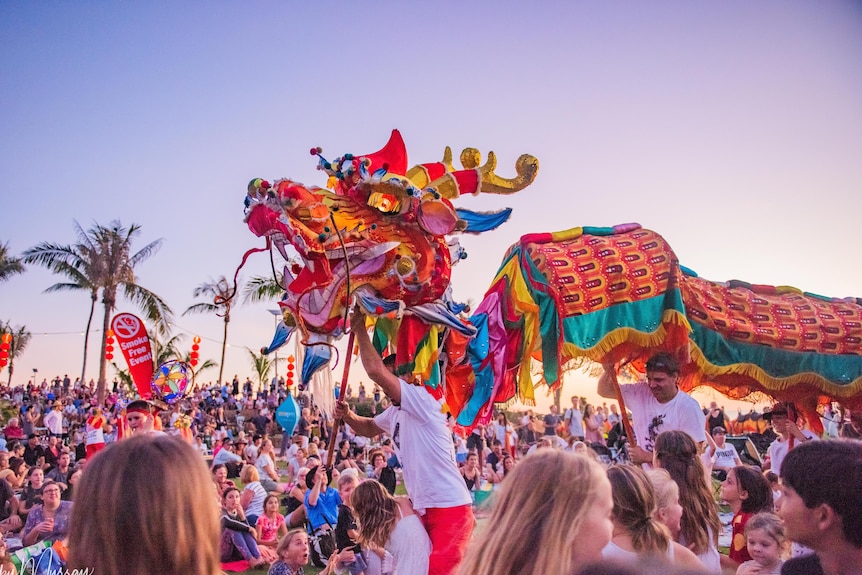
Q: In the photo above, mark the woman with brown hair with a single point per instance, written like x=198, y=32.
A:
x=563, y=501
x=387, y=522
x=265, y=464
x=637, y=534
x=50, y=520
x=676, y=452
x=144, y=505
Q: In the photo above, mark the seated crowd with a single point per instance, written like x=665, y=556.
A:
x=562, y=500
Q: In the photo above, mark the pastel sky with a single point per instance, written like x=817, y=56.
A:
x=732, y=128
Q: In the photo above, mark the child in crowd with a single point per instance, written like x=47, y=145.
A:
x=772, y=478
x=747, y=492
x=270, y=526
x=766, y=541
x=346, y=530
x=668, y=511
x=293, y=555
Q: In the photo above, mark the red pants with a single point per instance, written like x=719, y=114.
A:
x=93, y=449
x=449, y=529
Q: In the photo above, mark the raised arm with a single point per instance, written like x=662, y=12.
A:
x=608, y=382
x=371, y=361
x=364, y=426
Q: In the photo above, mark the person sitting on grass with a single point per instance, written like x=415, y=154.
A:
x=254, y=495
x=321, y=508
x=238, y=538
x=31, y=495
x=50, y=520
x=265, y=464
x=219, y=477
x=270, y=526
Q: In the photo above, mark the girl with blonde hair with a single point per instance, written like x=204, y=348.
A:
x=637, y=534
x=144, y=505
x=668, y=510
x=563, y=501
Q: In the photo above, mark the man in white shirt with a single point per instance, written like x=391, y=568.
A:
x=54, y=419
x=423, y=443
x=574, y=419
x=657, y=405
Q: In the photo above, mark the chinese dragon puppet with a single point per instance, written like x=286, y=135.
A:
x=383, y=235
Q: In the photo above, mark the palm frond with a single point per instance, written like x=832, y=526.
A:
x=263, y=288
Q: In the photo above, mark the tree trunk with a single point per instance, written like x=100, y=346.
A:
x=93, y=298
x=103, y=363
x=223, y=346
x=11, y=368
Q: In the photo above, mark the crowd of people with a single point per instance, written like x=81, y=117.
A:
x=78, y=482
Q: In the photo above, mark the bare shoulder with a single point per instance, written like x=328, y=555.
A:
x=405, y=505
x=685, y=557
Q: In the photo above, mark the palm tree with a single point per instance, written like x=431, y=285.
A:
x=261, y=364
x=222, y=300
x=20, y=339
x=102, y=261
x=9, y=266
x=80, y=264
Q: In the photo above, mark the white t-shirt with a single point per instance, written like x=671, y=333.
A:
x=423, y=443
x=54, y=422
x=725, y=457
x=574, y=418
x=650, y=417
x=778, y=450
x=264, y=461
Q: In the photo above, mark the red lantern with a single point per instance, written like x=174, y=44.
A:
x=194, y=355
x=109, y=348
x=193, y=362
x=109, y=356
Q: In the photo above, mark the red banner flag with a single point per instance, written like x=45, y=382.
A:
x=133, y=340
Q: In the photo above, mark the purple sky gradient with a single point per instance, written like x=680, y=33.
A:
x=734, y=129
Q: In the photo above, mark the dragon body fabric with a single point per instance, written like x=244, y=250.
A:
x=619, y=294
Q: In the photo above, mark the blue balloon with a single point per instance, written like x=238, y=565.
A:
x=287, y=415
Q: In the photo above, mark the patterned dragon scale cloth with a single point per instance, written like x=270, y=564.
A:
x=619, y=294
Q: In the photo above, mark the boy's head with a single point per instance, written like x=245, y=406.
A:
x=818, y=506
x=347, y=482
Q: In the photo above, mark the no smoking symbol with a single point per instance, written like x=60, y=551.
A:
x=126, y=326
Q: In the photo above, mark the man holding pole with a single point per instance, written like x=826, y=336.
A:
x=657, y=405
x=423, y=444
